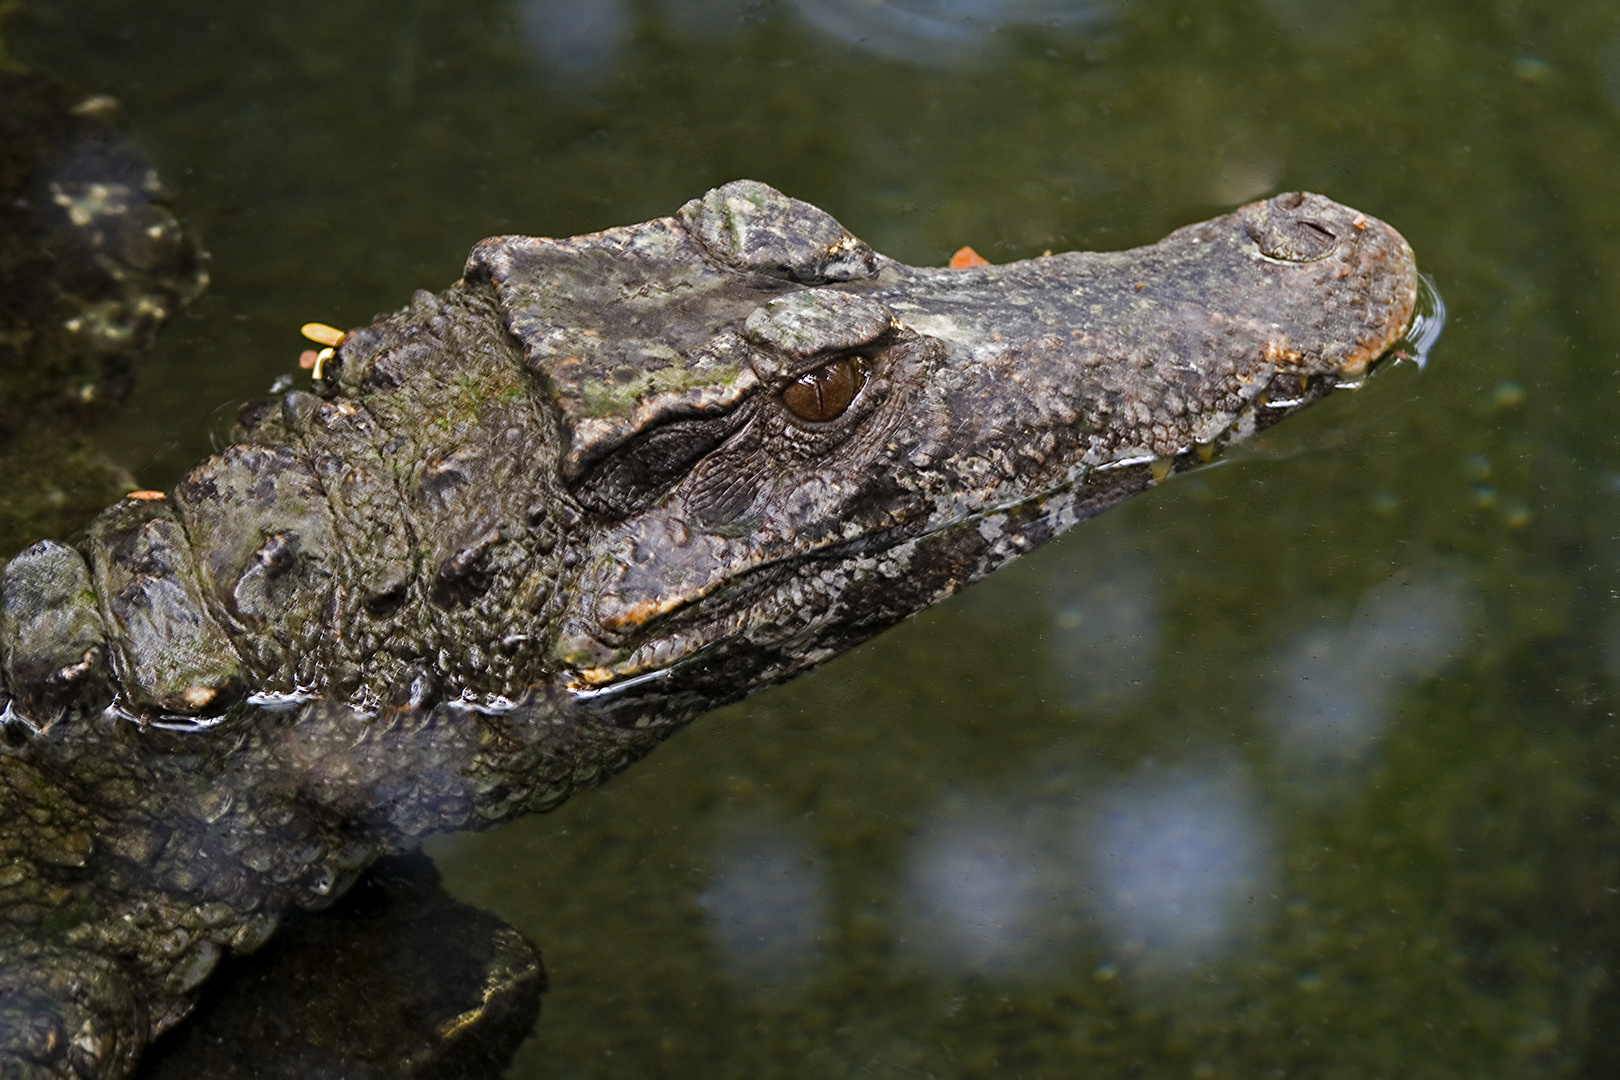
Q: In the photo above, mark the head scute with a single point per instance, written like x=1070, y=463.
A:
x=815, y=322
x=627, y=328
x=752, y=227
x=634, y=326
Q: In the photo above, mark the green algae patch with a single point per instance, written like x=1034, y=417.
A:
x=602, y=399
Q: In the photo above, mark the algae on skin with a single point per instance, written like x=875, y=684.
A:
x=607, y=399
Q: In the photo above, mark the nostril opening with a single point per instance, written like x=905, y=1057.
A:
x=1289, y=235
x=1293, y=200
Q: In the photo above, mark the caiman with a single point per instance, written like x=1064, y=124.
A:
x=518, y=532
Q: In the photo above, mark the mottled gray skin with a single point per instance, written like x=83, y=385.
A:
x=523, y=529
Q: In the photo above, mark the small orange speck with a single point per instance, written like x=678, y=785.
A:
x=306, y=359
x=1360, y=222
x=146, y=496
x=321, y=333
x=966, y=257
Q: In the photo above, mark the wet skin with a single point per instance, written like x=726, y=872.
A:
x=521, y=530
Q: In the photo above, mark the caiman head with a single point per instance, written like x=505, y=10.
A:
x=756, y=443
x=781, y=442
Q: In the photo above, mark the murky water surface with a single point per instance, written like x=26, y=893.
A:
x=1303, y=766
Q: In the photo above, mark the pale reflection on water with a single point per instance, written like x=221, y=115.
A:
x=926, y=30
x=1177, y=866
x=765, y=907
x=1332, y=689
x=580, y=39
x=1326, y=24
x=985, y=894
x=1104, y=642
x=1609, y=70
x=1153, y=872
x=573, y=38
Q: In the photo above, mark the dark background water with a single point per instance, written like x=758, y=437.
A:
x=1303, y=766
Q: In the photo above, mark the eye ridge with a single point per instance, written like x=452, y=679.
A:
x=826, y=393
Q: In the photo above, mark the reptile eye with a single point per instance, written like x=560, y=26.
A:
x=824, y=394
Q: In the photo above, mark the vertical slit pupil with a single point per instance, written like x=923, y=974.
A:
x=823, y=394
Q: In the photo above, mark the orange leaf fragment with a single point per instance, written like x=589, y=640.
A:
x=966, y=257
x=145, y=496
x=320, y=332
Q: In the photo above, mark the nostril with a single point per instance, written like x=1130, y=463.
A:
x=1290, y=228
x=1305, y=241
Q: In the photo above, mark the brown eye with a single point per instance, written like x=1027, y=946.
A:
x=824, y=394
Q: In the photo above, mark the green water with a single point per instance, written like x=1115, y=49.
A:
x=1304, y=766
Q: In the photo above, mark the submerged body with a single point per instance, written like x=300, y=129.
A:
x=521, y=530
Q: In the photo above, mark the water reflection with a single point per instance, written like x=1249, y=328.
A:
x=766, y=907
x=715, y=16
x=924, y=30
x=1104, y=644
x=982, y=894
x=1332, y=688
x=100, y=178
x=1335, y=24
x=1609, y=71
x=573, y=38
x=1244, y=173
x=1177, y=867
x=581, y=38
x=1611, y=647
x=1165, y=868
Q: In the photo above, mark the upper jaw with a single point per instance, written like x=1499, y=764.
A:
x=1020, y=386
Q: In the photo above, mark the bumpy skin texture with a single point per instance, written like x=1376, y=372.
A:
x=523, y=529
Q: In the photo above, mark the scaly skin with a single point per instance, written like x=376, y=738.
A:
x=525, y=528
